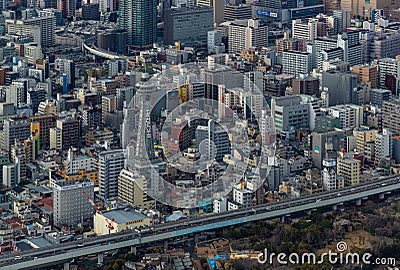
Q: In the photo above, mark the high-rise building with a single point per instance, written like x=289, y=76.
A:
x=363, y=137
x=378, y=96
x=244, y=34
x=45, y=122
x=114, y=41
x=68, y=7
x=139, y=19
x=362, y=9
x=67, y=67
x=296, y=63
x=213, y=141
x=367, y=74
x=47, y=25
x=349, y=168
x=15, y=129
x=350, y=116
x=214, y=42
x=343, y=18
x=132, y=188
x=188, y=25
x=306, y=85
x=66, y=134
x=391, y=116
x=329, y=174
x=389, y=68
x=289, y=112
x=11, y=175
x=110, y=165
x=304, y=30
x=239, y=12
x=383, y=146
x=341, y=87
x=18, y=157
x=325, y=145
x=218, y=9
x=70, y=204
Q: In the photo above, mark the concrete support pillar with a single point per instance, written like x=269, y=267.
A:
x=66, y=266
x=381, y=196
x=309, y=212
x=334, y=207
x=283, y=218
x=196, y=238
x=358, y=202
x=165, y=245
x=100, y=258
x=133, y=250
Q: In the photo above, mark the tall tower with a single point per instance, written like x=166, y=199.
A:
x=139, y=19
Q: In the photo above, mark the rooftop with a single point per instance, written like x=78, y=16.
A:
x=123, y=215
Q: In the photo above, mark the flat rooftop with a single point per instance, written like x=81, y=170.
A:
x=122, y=216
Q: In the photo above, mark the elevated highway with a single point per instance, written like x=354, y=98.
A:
x=68, y=251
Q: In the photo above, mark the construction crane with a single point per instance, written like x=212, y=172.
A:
x=110, y=225
x=91, y=202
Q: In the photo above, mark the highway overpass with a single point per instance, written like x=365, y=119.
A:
x=66, y=252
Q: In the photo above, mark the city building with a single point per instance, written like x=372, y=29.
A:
x=350, y=169
x=367, y=74
x=378, y=96
x=141, y=25
x=110, y=165
x=188, y=25
x=306, y=85
x=67, y=132
x=132, y=189
x=119, y=220
x=217, y=141
x=350, y=116
x=47, y=25
x=326, y=145
x=304, y=30
x=340, y=86
x=214, y=43
x=389, y=71
x=383, y=146
x=71, y=207
x=244, y=34
x=10, y=173
x=391, y=116
x=67, y=67
x=239, y=12
x=362, y=9
x=15, y=129
x=289, y=113
x=329, y=174
x=296, y=63
x=342, y=17
x=363, y=137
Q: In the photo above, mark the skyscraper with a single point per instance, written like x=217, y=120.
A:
x=139, y=19
x=110, y=165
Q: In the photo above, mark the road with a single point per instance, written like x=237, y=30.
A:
x=68, y=251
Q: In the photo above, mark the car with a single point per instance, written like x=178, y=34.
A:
x=383, y=184
x=80, y=245
x=18, y=257
x=352, y=189
x=339, y=194
x=34, y=258
x=317, y=200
